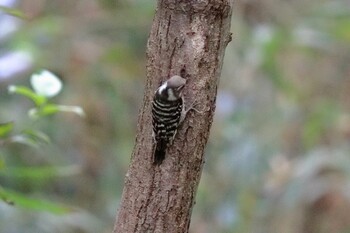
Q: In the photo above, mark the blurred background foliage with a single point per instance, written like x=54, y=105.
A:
x=278, y=156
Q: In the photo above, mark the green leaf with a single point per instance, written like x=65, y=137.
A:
x=24, y=139
x=37, y=136
x=50, y=109
x=5, y=129
x=4, y=197
x=25, y=91
x=31, y=138
x=12, y=11
x=21, y=200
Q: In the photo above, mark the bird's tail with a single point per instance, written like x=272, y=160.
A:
x=159, y=153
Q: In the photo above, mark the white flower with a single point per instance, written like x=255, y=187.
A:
x=46, y=83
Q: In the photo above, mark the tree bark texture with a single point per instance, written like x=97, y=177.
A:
x=188, y=38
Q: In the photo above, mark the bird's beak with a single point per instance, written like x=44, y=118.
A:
x=180, y=88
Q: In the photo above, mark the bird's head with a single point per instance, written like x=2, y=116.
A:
x=172, y=88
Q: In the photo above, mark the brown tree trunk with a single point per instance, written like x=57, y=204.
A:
x=188, y=38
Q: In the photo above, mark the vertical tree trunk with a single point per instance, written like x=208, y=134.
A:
x=188, y=38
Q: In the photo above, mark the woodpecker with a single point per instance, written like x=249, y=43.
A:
x=168, y=111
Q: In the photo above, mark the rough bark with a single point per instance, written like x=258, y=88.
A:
x=188, y=38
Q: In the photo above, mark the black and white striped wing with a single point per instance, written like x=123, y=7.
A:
x=166, y=118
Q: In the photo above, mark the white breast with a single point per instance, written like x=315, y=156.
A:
x=171, y=95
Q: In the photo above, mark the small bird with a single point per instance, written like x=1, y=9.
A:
x=168, y=112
